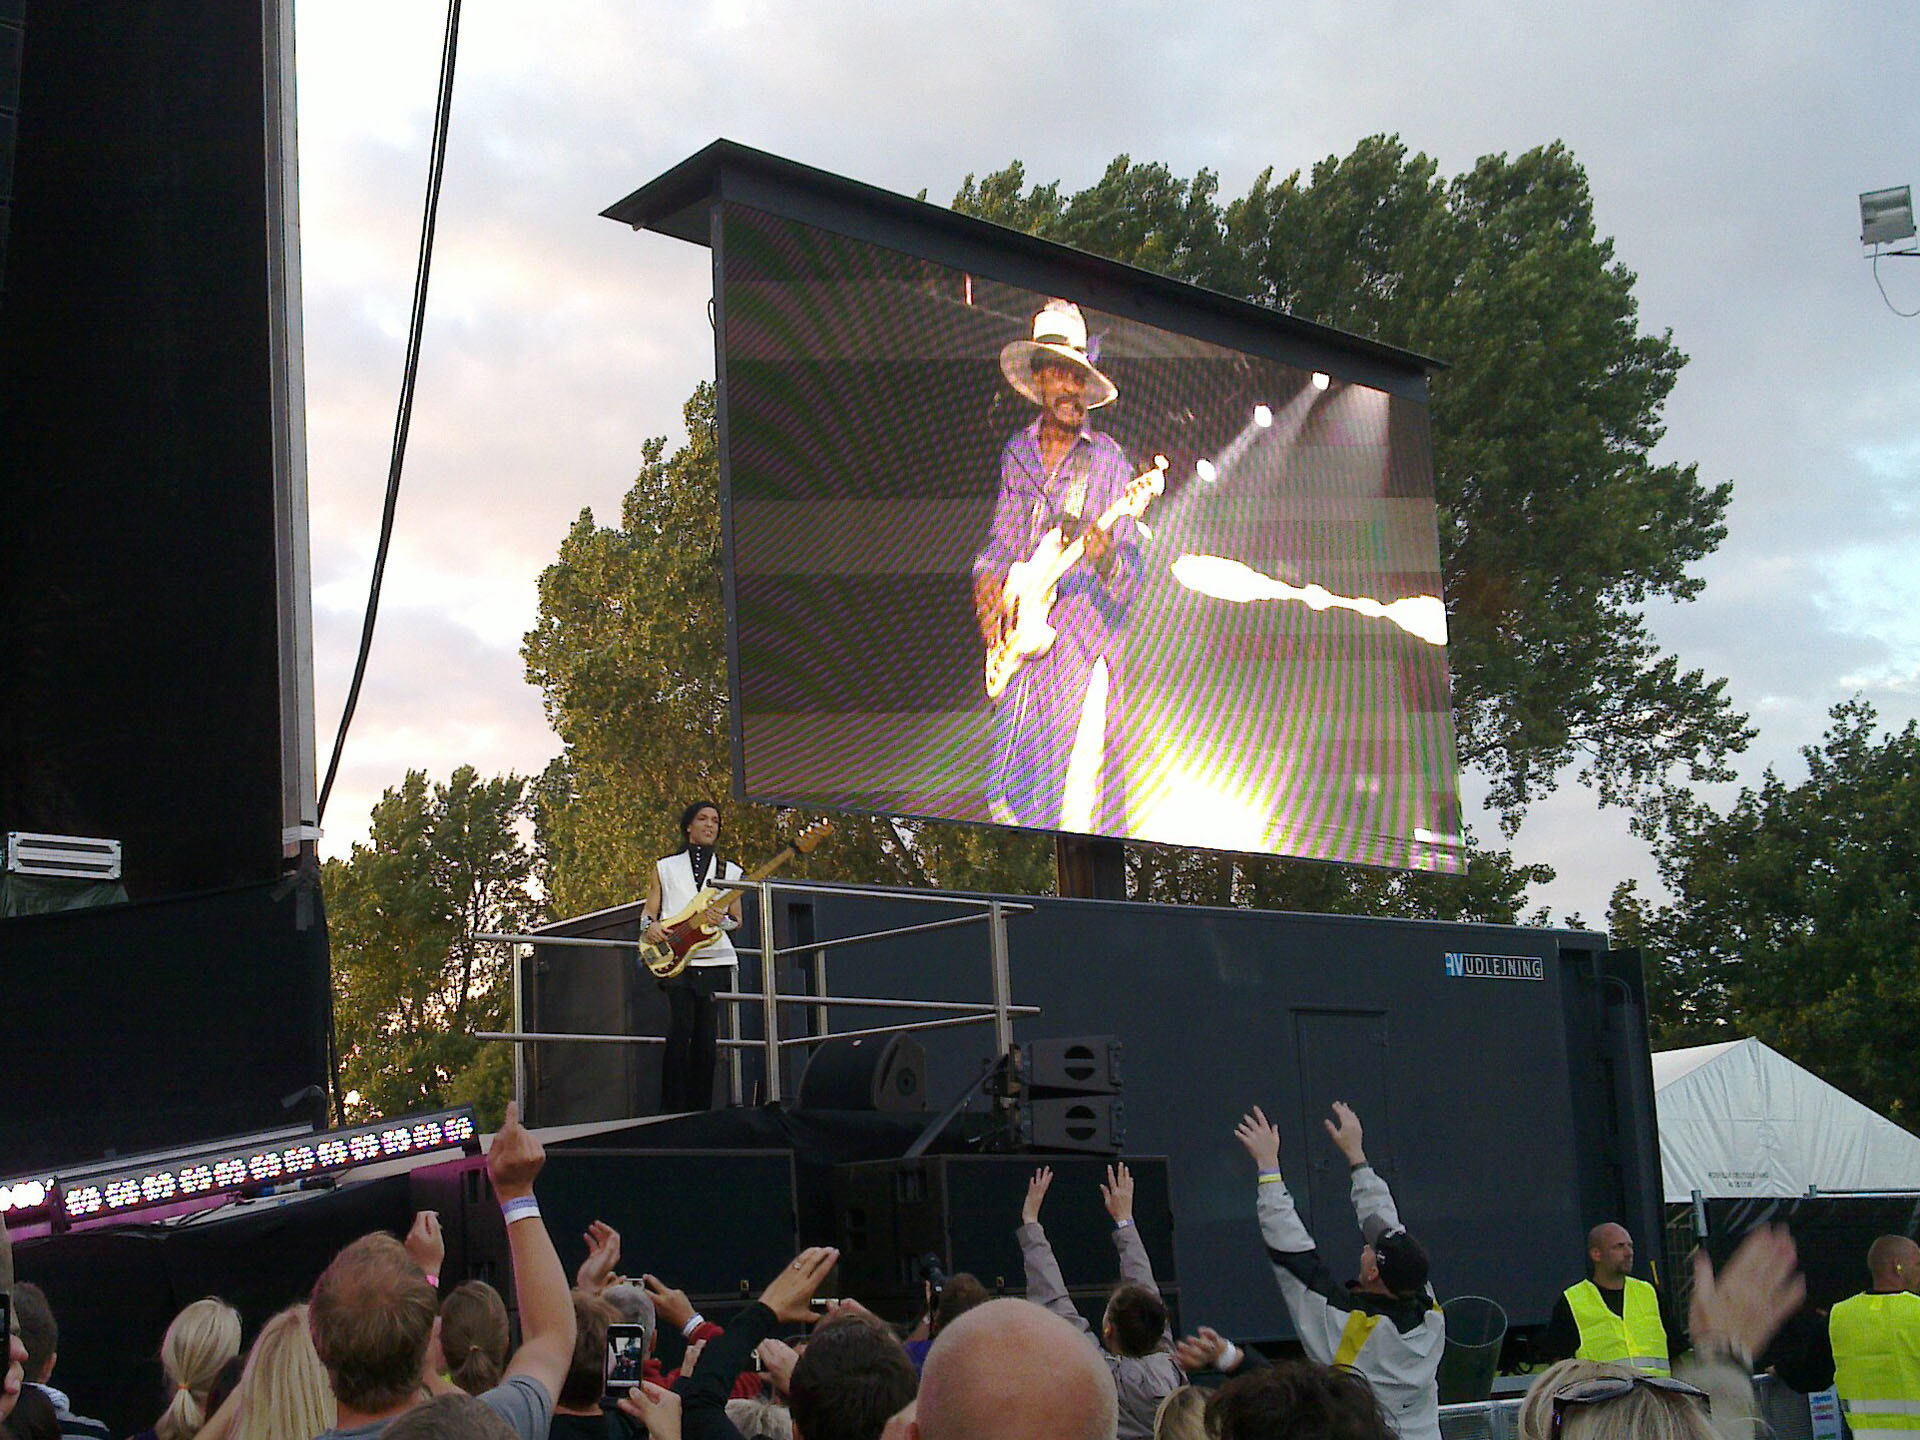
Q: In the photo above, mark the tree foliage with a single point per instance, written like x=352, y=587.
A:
x=1795, y=917
x=1556, y=525
x=442, y=864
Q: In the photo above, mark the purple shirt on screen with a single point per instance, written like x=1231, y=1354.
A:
x=1036, y=718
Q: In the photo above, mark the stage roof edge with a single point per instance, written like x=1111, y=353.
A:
x=680, y=203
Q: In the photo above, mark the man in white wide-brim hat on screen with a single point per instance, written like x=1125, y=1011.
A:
x=1052, y=765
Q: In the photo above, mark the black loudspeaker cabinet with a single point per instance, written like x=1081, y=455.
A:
x=718, y=1224
x=1075, y=1065
x=887, y=1073
x=1095, y=1123
x=965, y=1210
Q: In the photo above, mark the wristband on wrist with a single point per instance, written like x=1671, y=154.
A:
x=1269, y=1177
x=1230, y=1357
x=694, y=1322
x=433, y=1280
x=1353, y=1165
x=1123, y=1224
x=521, y=1207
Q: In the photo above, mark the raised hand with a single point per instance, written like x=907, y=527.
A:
x=1202, y=1351
x=778, y=1358
x=515, y=1157
x=603, y=1254
x=1346, y=1133
x=1260, y=1139
x=1117, y=1191
x=655, y=1408
x=789, y=1293
x=1037, y=1189
x=672, y=1307
x=426, y=1246
x=1752, y=1296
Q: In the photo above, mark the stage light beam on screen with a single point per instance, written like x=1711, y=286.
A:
x=1206, y=470
x=1321, y=380
x=1422, y=616
x=1263, y=416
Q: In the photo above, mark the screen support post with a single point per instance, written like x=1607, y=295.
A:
x=1090, y=868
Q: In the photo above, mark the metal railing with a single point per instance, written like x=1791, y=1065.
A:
x=1000, y=1010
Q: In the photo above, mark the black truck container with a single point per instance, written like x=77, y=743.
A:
x=1502, y=1074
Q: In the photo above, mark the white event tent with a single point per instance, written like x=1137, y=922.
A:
x=1739, y=1119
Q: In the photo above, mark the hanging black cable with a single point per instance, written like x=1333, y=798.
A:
x=442, y=113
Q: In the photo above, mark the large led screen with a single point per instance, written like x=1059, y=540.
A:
x=998, y=557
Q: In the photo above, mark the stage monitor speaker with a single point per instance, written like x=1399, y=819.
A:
x=887, y=1073
x=1077, y=1065
x=1094, y=1123
x=965, y=1209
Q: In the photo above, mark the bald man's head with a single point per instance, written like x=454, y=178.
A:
x=1011, y=1370
x=1610, y=1248
x=1895, y=1263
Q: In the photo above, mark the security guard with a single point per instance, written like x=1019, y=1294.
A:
x=1612, y=1317
x=1876, y=1346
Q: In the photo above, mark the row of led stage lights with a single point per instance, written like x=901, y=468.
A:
x=201, y=1178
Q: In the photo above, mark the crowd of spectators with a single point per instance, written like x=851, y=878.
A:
x=376, y=1350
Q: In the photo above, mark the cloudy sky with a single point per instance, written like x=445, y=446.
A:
x=1725, y=144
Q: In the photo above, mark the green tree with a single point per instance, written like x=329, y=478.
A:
x=629, y=654
x=1556, y=526
x=442, y=864
x=1795, y=917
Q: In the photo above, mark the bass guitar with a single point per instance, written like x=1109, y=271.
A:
x=1033, y=583
x=687, y=931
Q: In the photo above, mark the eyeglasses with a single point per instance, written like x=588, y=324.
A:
x=1599, y=1392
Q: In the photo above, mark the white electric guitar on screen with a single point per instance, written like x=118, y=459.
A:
x=1033, y=583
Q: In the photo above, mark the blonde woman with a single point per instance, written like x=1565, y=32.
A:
x=284, y=1394
x=200, y=1341
x=1182, y=1415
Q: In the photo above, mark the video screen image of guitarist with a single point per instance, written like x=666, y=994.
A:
x=1005, y=557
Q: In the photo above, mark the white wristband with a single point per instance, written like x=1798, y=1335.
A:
x=1230, y=1357
x=693, y=1324
x=521, y=1207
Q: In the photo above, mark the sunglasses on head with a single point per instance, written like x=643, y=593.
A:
x=1612, y=1387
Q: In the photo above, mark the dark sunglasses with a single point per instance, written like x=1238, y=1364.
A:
x=1599, y=1392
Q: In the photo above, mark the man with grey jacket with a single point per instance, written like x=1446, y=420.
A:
x=1385, y=1325
x=1134, y=1338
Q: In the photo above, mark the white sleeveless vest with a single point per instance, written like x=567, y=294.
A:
x=677, y=891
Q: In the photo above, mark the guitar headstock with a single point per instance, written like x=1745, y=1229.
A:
x=1144, y=486
x=807, y=839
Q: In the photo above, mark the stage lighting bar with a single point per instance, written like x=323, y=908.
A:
x=232, y=1166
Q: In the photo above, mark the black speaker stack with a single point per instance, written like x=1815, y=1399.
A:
x=964, y=1211
x=13, y=32
x=1073, y=1095
x=883, y=1073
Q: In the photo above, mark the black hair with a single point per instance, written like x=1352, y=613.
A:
x=1297, y=1400
x=850, y=1380
x=686, y=817
x=1139, y=1319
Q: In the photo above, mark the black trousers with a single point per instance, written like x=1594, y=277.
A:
x=687, y=1066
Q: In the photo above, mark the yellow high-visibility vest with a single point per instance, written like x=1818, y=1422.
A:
x=1876, y=1364
x=1634, y=1337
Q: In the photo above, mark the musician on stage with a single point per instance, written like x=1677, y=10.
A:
x=1051, y=763
x=687, y=1067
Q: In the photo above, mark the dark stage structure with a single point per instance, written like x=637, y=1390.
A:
x=154, y=628
x=1502, y=1073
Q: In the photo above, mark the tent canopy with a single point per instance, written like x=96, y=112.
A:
x=1739, y=1119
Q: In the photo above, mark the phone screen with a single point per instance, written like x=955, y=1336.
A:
x=626, y=1358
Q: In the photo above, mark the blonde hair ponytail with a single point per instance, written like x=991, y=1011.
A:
x=200, y=1341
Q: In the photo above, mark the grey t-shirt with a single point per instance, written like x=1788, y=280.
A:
x=520, y=1400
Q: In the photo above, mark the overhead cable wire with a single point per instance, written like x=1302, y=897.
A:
x=1903, y=314
x=443, y=109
